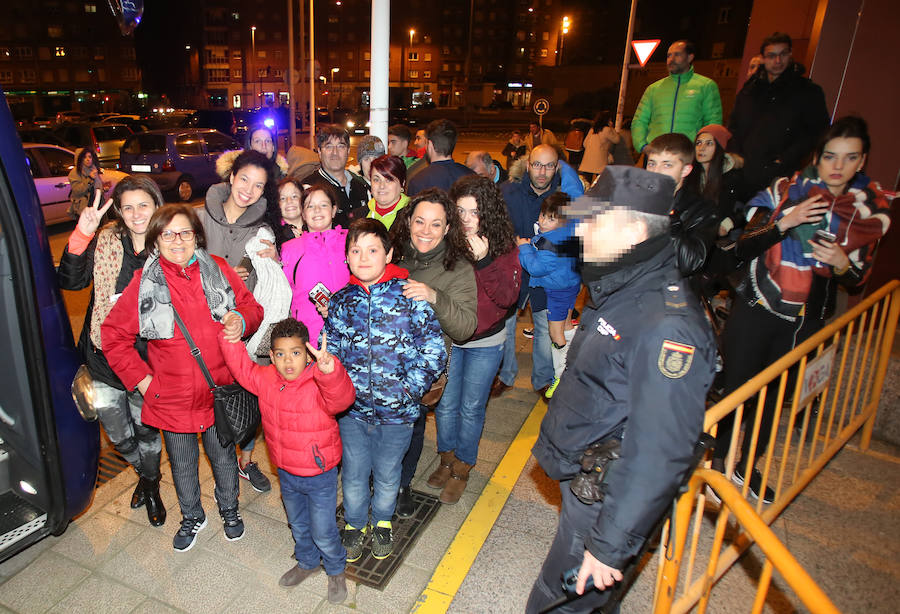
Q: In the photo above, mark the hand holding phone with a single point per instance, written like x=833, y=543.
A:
x=320, y=295
x=824, y=237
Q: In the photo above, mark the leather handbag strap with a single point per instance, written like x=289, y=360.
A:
x=195, y=351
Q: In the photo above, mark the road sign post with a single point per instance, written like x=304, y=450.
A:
x=541, y=106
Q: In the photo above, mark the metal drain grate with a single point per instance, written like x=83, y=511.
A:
x=111, y=465
x=372, y=572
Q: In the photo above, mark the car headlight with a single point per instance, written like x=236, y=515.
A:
x=350, y=123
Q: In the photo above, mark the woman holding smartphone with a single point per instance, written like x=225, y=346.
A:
x=314, y=262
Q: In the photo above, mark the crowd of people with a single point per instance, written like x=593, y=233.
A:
x=352, y=304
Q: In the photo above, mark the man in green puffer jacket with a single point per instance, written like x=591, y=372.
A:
x=682, y=102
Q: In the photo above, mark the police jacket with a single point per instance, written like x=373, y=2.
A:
x=642, y=360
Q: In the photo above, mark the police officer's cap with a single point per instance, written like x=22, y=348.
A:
x=627, y=187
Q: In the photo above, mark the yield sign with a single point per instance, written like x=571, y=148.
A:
x=644, y=49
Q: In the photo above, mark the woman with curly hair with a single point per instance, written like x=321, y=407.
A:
x=459, y=416
x=429, y=241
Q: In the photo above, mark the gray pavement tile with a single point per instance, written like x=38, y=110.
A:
x=529, y=517
x=267, y=545
x=207, y=584
x=96, y=539
x=437, y=536
x=265, y=596
x=152, y=606
x=17, y=563
x=30, y=590
x=266, y=504
x=121, y=504
x=503, y=423
x=99, y=594
x=535, y=486
x=398, y=596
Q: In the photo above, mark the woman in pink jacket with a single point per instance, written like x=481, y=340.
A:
x=315, y=263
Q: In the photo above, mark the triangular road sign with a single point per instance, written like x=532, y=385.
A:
x=644, y=49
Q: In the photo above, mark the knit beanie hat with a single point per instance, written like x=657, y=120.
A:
x=369, y=147
x=718, y=132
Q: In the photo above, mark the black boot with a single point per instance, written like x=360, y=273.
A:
x=156, y=511
x=406, y=507
x=137, y=498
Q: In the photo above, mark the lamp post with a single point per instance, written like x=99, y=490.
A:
x=253, y=54
x=412, y=33
x=325, y=87
x=335, y=70
x=566, y=23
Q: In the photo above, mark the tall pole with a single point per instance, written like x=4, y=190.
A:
x=253, y=53
x=468, y=67
x=620, y=107
x=380, y=68
x=291, y=127
x=312, y=77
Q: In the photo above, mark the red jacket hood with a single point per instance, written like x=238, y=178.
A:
x=392, y=271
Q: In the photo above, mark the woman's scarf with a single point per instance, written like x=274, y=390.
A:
x=109, y=253
x=782, y=277
x=272, y=291
x=155, y=312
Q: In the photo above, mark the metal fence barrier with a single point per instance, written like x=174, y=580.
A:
x=837, y=377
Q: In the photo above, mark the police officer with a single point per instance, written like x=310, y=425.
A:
x=637, y=376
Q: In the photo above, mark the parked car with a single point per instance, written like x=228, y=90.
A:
x=223, y=120
x=67, y=117
x=50, y=166
x=358, y=122
x=40, y=135
x=103, y=139
x=42, y=121
x=134, y=123
x=181, y=161
x=49, y=450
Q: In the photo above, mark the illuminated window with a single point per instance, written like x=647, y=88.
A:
x=60, y=52
x=90, y=7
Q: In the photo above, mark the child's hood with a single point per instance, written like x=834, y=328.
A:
x=391, y=271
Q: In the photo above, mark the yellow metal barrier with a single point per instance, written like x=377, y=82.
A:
x=858, y=346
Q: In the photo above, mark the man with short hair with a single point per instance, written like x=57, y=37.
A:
x=483, y=164
x=538, y=136
x=777, y=119
x=399, y=137
x=419, y=143
x=682, y=102
x=443, y=170
x=523, y=202
x=635, y=384
x=333, y=144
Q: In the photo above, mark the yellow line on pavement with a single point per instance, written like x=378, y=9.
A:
x=458, y=559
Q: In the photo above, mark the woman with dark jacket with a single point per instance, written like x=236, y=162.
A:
x=109, y=259
x=429, y=241
x=207, y=294
x=716, y=175
x=459, y=416
x=84, y=180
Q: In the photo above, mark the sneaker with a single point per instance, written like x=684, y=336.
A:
x=382, y=540
x=337, y=588
x=755, y=483
x=552, y=389
x=353, y=541
x=187, y=534
x=252, y=474
x=528, y=333
x=234, y=525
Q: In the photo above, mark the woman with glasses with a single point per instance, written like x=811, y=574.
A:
x=181, y=276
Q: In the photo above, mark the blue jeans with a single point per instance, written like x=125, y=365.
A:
x=310, y=502
x=376, y=450
x=541, y=360
x=459, y=417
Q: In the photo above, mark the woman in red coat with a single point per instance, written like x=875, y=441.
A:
x=208, y=296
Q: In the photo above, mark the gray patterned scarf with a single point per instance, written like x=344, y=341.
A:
x=157, y=318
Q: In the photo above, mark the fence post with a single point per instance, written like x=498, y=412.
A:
x=887, y=345
x=671, y=564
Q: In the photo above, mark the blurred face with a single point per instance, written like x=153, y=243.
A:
x=542, y=167
x=289, y=201
x=476, y=163
x=365, y=167
x=318, y=212
x=467, y=208
x=176, y=242
x=136, y=207
x=534, y=128
x=288, y=354
x=677, y=59
x=420, y=141
x=841, y=159
x=546, y=223
x=428, y=226
x=88, y=160
x=704, y=148
x=777, y=58
x=516, y=138
x=333, y=155
x=397, y=146
x=367, y=259
x=667, y=163
x=261, y=141
x=247, y=185
x=385, y=189
x=608, y=236
x=755, y=62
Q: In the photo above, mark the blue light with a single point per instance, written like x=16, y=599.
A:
x=269, y=122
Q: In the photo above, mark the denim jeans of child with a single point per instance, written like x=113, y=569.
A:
x=376, y=450
x=541, y=358
x=310, y=503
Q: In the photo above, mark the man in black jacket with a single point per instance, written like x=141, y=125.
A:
x=333, y=144
x=778, y=118
x=637, y=373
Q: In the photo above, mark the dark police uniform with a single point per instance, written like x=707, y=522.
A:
x=639, y=368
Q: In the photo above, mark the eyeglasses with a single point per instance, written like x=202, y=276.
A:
x=536, y=166
x=467, y=212
x=168, y=235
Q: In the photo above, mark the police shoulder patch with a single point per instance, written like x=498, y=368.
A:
x=675, y=359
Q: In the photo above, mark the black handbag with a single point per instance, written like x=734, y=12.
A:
x=236, y=410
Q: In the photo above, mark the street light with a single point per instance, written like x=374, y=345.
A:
x=253, y=58
x=566, y=23
x=336, y=70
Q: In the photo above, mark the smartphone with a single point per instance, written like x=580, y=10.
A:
x=320, y=295
x=823, y=236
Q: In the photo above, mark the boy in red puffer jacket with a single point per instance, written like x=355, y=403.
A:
x=298, y=401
